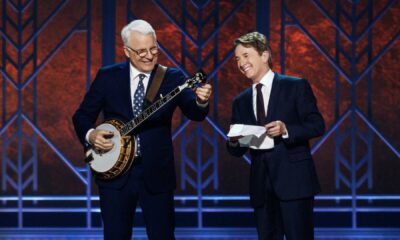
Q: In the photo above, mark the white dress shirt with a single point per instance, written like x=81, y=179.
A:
x=266, y=82
x=134, y=75
x=261, y=142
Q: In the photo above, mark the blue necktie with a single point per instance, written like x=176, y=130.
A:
x=138, y=104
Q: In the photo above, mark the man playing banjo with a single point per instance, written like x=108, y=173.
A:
x=120, y=91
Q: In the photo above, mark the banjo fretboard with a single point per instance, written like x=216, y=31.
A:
x=131, y=125
x=190, y=83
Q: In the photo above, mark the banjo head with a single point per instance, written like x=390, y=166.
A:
x=103, y=162
x=111, y=164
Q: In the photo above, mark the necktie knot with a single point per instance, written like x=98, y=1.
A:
x=258, y=87
x=141, y=77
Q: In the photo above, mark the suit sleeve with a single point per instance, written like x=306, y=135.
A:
x=187, y=103
x=311, y=123
x=86, y=115
x=237, y=150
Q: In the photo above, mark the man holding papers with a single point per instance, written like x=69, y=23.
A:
x=275, y=118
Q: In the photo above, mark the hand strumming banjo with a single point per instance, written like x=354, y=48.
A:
x=110, y=164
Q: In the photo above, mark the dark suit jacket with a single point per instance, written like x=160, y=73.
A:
x=110, y=93
x=291, y=168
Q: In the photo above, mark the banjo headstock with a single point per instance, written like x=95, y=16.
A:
x=199, y=77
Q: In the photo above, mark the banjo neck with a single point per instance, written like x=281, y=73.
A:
x=148, y=112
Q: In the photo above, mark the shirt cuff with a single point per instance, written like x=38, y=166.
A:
x=286, y=135
x=88, y=134
x=203, y=105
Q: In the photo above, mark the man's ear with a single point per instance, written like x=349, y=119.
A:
x=126, y=52
x=265, y=56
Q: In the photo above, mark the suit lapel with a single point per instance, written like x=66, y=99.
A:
x=249, y=105
x=273, y=98
x=126, y=87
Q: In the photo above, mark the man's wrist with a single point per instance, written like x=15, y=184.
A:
x=87, y=136
x=285, y=133
x=201, y=103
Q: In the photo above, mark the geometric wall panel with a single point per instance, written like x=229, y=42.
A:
x=355, y=47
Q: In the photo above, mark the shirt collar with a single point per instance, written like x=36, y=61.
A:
x=134, y=72
x=267, y=79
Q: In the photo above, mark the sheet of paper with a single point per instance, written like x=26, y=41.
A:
x=254, y=137
x=246, y=130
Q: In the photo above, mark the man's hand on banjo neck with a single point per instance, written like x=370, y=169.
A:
x=100, y=140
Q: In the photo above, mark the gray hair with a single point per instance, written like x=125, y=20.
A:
x=140, y=26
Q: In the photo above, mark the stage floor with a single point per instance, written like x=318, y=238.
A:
x=193, y=234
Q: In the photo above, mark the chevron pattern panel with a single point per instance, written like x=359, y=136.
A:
x=36, y=98
x=361, y=37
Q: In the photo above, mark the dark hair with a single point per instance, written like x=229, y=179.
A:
x=256, y=40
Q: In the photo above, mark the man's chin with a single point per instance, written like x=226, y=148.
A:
x=147, y=68
x=249, y=75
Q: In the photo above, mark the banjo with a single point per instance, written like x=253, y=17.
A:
x=113, y=163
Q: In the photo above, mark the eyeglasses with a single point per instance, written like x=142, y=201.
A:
x=143, y=52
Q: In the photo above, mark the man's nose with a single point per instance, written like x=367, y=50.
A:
x=149, y=55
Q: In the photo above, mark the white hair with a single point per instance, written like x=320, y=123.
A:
x=140, y=26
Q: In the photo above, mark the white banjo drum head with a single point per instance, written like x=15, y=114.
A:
x=103, y=162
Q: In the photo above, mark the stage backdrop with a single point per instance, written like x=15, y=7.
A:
x=348, y=50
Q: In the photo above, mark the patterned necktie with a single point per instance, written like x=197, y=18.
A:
x=138, y=104
x=261, y=120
